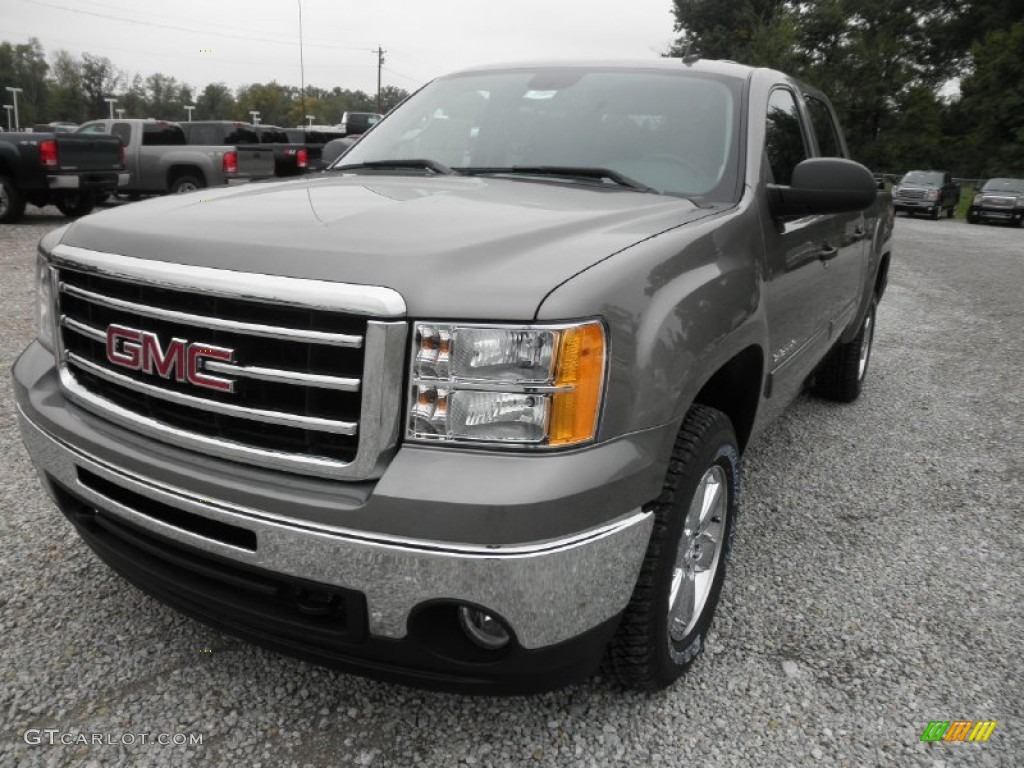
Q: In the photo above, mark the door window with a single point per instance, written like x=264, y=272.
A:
x=784, y=138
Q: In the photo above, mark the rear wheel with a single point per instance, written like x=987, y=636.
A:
x=186, y=183
x=75, y=204
x=12, y=204
x=841, y=376
x=668, y=617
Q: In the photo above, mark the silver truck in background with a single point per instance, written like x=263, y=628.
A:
x=160, y=159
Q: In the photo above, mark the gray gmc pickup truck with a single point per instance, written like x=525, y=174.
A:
x=467, y=409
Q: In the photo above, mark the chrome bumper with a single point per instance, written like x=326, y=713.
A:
x=547, y=591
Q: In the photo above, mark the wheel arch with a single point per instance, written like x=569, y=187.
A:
x=178, y=170
x=735, y=390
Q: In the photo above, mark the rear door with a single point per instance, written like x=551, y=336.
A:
x=845, y=268
x=799, y=279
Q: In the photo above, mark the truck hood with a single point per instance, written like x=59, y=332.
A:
x=472, y=248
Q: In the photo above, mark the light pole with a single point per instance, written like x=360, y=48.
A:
x=120, y=113
x=9, y=109
x=189, y=108
x=255, y=116
x=111, y=101
x=311, y=118
x=14, y=92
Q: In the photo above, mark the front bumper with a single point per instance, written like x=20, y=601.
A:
x=559, y=596
x=1005, y=215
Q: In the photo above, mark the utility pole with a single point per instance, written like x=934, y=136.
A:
x=311, y=118
x=120, y=113
x=9, y=108
x=380, y=63
x=254, y=113
x=189, y=108
x=111, y=101
x=14, y=92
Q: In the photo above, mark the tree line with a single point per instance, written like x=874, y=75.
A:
x=888, y=67
x=74, y=88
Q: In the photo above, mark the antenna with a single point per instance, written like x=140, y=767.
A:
x=302, y=64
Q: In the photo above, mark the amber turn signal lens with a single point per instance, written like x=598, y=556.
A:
x=580, y=367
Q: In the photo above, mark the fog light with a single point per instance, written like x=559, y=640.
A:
x=482, y=628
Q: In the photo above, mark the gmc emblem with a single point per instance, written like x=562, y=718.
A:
x=182, y=360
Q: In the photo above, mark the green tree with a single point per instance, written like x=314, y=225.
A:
x=992, y=104
x=24, y=66
x=66, y=96
x=216, y=102
x=99, y=79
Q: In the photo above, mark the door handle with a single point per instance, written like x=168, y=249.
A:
x=828, y=252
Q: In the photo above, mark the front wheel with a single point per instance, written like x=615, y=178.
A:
x=75, y=204
x=666, y=622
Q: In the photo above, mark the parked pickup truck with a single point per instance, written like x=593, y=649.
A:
x=59, y=169
x=290, y=158
x=466, y=410
x=1000, y=200
x=161, y=160
x=255, y=161
x=930, y=192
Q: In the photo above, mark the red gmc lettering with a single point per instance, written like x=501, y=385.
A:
x=196, y=354
x=166, y=363
x=127, y=354
x=181, y=360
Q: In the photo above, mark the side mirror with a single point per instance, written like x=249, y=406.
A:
x=824, y=185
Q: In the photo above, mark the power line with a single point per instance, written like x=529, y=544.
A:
x=192, y=30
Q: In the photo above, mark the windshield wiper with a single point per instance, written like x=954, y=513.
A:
x=385, y=165
x=566, y=171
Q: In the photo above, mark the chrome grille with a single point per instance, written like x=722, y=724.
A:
x=998, y=201
x=910, y=194
x=314, y=388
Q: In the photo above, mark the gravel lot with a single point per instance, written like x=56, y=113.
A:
x=877, y=583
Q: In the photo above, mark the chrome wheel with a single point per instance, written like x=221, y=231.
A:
x=700, y=548
x=187, y=186
x=865, y=344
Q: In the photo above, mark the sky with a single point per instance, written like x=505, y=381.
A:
x=247, y=41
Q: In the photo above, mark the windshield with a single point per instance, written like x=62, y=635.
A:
x=675, y=132
x=1012, y=186
x=923, y=178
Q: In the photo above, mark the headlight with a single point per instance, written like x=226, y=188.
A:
x=1018, y=202
x=931, y=194
x=977, y=200
x=532, y=385
x=44, y=302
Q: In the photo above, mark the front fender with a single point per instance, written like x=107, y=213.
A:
x=678, y=306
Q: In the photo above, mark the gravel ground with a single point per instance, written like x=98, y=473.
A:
x=876, y=584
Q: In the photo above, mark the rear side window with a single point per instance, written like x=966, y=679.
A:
x=824, y=127
x=93, y=128
x=241, y=135
x=784, y=137
x=274, y=137
x=123, y=131
x=162, y=135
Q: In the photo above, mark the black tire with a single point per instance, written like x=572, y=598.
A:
x=187, y=182
x=950, y=212
x=972, y=218
x=651, y=649
x=74, y=204
x=12, y=203
x=842, y=374
x=934, y=214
